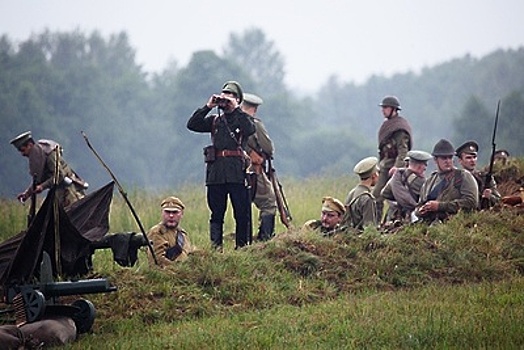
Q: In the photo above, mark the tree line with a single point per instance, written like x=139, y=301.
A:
x=58, y=84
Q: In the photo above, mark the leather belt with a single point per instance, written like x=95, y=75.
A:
x=229, y=153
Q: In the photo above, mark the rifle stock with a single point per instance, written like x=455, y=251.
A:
x=282, y=206
x=485, y=202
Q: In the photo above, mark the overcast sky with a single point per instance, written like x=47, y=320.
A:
x=352, y=39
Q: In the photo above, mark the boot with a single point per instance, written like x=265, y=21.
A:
x=216, y=233
x=266, y=228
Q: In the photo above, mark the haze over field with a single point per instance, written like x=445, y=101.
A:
x=350, y=39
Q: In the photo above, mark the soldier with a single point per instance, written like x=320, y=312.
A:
x=260, y=147
x=467, y=157
x=360, y=204
x=501, y=156
x=331, y=216
x=394, y=142
x=42, y=167
x=170, y=241
x=403, y=189
x=448, y=189
x=226, y=161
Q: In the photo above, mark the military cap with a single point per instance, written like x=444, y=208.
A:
x=419, y=156
x=333, y=204
x=502, y=153
x=172, y=204
x=21, y=139
x=443, y=148
x=252, y=99
x=235, y=88
x=366, y=167
x=469, y=147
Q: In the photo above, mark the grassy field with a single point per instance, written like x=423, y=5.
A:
x=458, y=285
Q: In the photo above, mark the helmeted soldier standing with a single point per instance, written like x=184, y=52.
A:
x=226, y=160
x=260, y=148
x=448, y=189
x=42, y=168
x=394, y=142
x=360, y=203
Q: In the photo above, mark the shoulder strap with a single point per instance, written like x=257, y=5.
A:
x=457, y=179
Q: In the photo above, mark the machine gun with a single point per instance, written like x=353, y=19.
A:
x=34, y=302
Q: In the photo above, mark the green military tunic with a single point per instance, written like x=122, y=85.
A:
x=261, y=143
x=480, y=177
x=404, y=190
x=43, y=166
x=455, y=190
x=361, y=208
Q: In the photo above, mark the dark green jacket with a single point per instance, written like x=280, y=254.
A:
x=229, y=169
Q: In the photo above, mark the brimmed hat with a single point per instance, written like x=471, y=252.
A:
x=469, y=147
x=252, y=99
x=21, y=139
x=501, y=153
x=419, y=156
x=172, y=204
x=443, y=148
x=366, y=167
x=235, y=88
x=333, y=204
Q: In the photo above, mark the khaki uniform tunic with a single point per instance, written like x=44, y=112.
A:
x=163, y=238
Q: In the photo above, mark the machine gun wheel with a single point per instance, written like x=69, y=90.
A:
x=84, y=317
x=33, y=305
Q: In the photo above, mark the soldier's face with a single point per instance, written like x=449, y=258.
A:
x=418, y=168
x=468, y=161
x=24, y=150
x=444, y=163
x=330, y=219
x=171, y=218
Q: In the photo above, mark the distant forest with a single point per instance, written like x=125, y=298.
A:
x=57, y=84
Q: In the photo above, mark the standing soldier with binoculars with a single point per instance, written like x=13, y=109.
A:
x=226, y=161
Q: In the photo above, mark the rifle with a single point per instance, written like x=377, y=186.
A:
x=124, y=195
x=336, y=230
x=485, y=202
x=32, y=208
x=283, y=208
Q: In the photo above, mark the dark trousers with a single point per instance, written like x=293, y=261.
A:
x=217, y=202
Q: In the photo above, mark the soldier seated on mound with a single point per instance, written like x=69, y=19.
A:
x=448, y=189
x=170, y=241
x=467, y=157
x=403, y=189
x=361, y=209
x=330, y=217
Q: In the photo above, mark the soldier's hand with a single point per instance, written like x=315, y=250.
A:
x=22, y=197
x=211, y=103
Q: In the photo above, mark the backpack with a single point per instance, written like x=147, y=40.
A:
x=49, y=146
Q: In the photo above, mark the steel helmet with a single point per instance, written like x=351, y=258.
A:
x=443, y=148
x=390, y=101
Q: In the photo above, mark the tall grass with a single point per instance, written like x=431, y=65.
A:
x=457, y=285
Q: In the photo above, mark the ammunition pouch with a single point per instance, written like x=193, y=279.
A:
x=209, y=154
x=173, y=252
